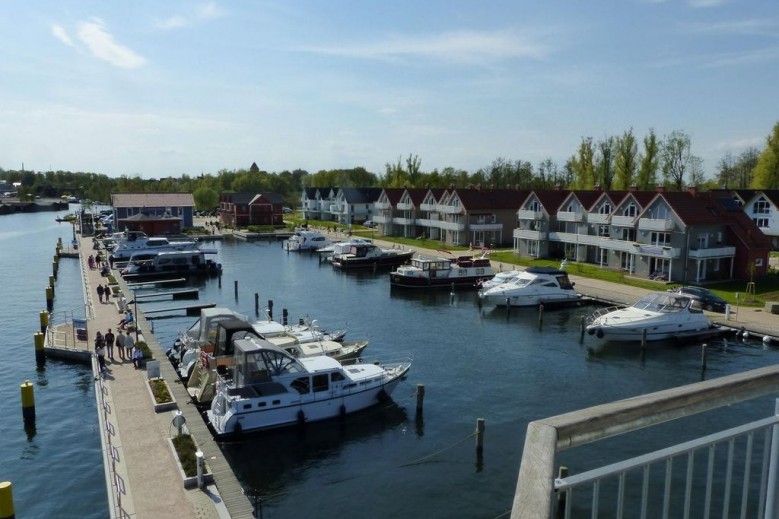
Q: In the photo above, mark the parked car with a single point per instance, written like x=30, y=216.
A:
x=369, y=224
x=705, y=298
x=286, y=210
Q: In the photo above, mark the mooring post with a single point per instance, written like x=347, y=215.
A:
x=420, y=398
x=44, y=320
x=40, y=353
x=28, y=402
x=284, y=316
x=235, y=288
x=581, y=330
x=540, y=315
x=704, y=355
x=479, y=435
x=643, y=338
x=6, y=500
x=200, y=468
x=270, y=309
x=508, y=307
x=256, y=303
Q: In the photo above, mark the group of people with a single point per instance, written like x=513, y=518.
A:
x=104, y=293
x=125, y=346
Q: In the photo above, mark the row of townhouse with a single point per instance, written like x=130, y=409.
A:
x=679, y=236
x=345, y=206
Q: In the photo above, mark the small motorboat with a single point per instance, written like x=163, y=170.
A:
x=368, y=255
x=499, y=279
x=266, y=387
x=305, y=240
x=440, y=272
x=532, y=287
x=656, y=316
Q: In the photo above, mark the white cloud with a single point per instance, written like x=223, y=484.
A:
x=203, y=12
x=462, y=46
x=59, y=32
x=742, y=144
x=102, y=45
x=703, y=4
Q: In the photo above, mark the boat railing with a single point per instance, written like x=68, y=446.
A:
x=600, y=312
x=735, y=468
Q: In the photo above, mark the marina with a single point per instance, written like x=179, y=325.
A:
x=535, y=368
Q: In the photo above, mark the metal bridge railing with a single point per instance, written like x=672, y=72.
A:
x=727, y=472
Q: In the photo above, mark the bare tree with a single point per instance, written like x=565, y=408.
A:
x=675, y=158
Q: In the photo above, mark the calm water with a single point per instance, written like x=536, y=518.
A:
x=383, y=463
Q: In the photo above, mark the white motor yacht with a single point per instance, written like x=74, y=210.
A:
x=656, y=316
x=532, y=287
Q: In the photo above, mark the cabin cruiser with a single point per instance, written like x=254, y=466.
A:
x=139, y=242
x=305, y=240
x=656, y=316
x=440, y=272
x=532, y=287
x=499, y=278
x=266, y=387
x=367, y=255
x=339, y=247
x=176, y=262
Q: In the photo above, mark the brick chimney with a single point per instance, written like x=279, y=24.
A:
x=693, y=190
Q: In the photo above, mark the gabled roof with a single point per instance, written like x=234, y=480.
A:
x=143, y=217
x=394, y=194
x=310, y=192
x=238, y=198
x=418, y=195
x=361, y=195
x=475, y=199
x=152, y=200
x=273, y=198
x=550, y=200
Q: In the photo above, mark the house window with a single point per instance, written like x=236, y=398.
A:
x=605, y=209
x=761, y=222
x=535, y=206
x=761, y=206
x=603, y=230
x=660, y=238
x=630, y=210
x=628, y=234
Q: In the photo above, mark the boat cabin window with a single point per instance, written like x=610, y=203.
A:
x=301, y=385
x=564, y=282
x=337, y=376
x=321, y=383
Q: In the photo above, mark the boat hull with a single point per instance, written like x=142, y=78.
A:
x=532, y=300
x=459, y=282
x=375, y=262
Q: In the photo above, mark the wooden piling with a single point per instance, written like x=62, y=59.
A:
x=270, y=309
x=49, y=298
x=43, y=317
x=235, y=288
x=541, y=315
x=40, y=353
x=582, y=327
x=704, y=355
x=420, y=398
x=28, y=402
x=643, y=338
x=479, y=434
x=284, y=316
x=256, y=303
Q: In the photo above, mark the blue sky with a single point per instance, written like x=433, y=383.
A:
x=156, y=88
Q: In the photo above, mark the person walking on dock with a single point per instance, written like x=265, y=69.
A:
x=100, y=293
x=120, y=342
x=107, y=294
x=128, y=344
x=109, y=343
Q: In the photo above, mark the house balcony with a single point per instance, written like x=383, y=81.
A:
x=598, y=218
x=485, y=227
x=656, y=251
x=623, y=221
x=451, y=226
x=580, y=239
x=404, y=206
x=449, y=209
x=526, y=214
x=714, y=252
x=527, y=234
x=654, y=224
x=427, y=207
x=426, y=222
x=569, y=216
x=404, y=221
x=382, y=219
x=382, y=205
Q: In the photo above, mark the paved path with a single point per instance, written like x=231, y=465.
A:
x=142, y=457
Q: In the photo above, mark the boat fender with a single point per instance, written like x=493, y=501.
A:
x=301, y=417
x=599, y=333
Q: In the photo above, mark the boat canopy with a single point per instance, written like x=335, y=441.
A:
x=663, y=302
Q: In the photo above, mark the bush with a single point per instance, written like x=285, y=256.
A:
x=185, y=449
x=147, y=354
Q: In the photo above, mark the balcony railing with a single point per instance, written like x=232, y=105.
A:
x=714, y=252
x=598, y=218
x=382, y=205
x=623, y=221
x=404, y=221
x=655, y=224
x=485, y=226
x=427, y=207
x=569, y=216
x=526, y=214
x=404, y=206
x=525, y=234
x=449, y=209
x=451, y=226
x=381, y=219
x=538, y=489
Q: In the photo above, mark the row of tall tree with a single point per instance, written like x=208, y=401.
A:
x=615, y=162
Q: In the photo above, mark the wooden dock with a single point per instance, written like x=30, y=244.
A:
x=151, y=284
x=184, y=293
x=190, y=309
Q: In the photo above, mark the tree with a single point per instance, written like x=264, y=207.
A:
x=205, y=198
x=675, y=158
x=412, y=169
x=766, y=172
x=583, y=165
x=604, y=171
x=625, y=160
x=647, y=171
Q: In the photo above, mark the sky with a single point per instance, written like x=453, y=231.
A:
x=161, y=89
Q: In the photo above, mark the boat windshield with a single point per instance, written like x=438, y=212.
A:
x=521, y=282
x=662, y=302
